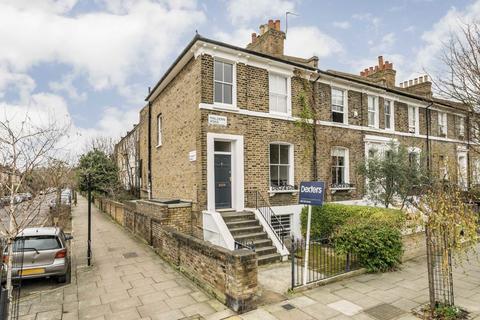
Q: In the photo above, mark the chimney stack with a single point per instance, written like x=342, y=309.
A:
x=270, y=40
x=382, y=73
x=421, y=86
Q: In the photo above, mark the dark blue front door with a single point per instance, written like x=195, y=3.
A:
x=223, y=183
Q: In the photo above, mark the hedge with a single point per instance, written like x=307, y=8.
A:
x=327, y=218
x=372, y=233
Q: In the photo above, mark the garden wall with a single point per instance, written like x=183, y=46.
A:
x=414, y=245
x=230, y=276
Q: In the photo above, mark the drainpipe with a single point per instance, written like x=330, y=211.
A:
x=149, y=157
x=315, y=160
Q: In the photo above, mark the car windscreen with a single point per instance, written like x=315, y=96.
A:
x=39, y=243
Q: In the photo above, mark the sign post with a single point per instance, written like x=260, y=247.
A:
x=311, y=193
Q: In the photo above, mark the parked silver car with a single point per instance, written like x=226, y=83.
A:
x=46, y=254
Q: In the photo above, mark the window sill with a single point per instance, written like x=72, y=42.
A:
x=227, y=107
x=158, y=146
x=274, y=192
x=348, y=189
x=286, y=115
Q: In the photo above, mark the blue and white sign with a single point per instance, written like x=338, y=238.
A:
x=311, y=192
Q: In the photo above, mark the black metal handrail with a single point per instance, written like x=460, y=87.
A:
x=244, y=245
x=269, y=215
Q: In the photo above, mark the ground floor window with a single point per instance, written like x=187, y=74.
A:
x=280, y=165
x=340, y=167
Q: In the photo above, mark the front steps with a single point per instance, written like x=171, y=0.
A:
x=247, y=230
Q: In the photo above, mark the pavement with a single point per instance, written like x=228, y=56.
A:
x=129, y=281
x=126, y=281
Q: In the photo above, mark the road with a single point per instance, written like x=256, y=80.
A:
x=34, y=212
x=38, y=210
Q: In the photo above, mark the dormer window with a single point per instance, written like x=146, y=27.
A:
x=339, y=107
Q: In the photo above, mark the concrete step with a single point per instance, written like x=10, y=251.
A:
x=268, y=258
x=262, y=251
x=237, y=216
x=246, y=230
x=250, y=236
x=262, y=243
x=241, y=223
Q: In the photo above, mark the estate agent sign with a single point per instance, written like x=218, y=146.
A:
x=311, y=193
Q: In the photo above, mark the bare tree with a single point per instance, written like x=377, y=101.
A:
x=24, y=148
x=102, y=143
x=459, y=79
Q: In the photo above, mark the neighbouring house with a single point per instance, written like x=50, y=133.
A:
x=221, y=130
x=127, y=158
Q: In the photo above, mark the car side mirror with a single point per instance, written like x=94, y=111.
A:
x=68, y=237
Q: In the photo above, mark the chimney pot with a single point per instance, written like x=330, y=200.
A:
x=380, y=61
x=425, y=78
x=277, y=25
x=370, y=69
x=410, y=82
x=271, y=24
x=254, y=37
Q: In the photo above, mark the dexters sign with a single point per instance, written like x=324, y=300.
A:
x=311, y=193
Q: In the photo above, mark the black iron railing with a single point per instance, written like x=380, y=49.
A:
x=270, y=217
x=249, y=245
x=323, y=261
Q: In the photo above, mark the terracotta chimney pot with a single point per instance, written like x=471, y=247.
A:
x=277, y=25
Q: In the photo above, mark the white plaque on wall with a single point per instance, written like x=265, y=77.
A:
x=217, y=120
x=192, y=155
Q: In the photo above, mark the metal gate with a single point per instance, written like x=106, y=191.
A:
x=323, y=262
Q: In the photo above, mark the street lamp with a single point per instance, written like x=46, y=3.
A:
x=89, y=194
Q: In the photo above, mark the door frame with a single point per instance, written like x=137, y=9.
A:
x=238, y=196
x=224, y=153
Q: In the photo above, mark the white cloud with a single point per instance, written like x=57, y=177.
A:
x=21, y=83
x=368, y=18
x=427, y=58
x=66, y=85
x=106, y=47
x=308, y=41
x=43, y=109
x=243, y=11
x=342, y=25
x=53, y=6
x=385, y=44
x=239, y=37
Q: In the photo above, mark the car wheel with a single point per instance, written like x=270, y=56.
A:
x=66, y=277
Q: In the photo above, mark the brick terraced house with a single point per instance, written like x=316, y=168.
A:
x=222, y=130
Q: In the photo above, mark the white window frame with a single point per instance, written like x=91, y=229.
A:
x=461, y=125
x=159, y=129
x=346, y=167
x=476, y=172
x=374, y=110
x=415, y=128
x=233, y=105
x=462, y=176
x=417, y=151
x=392, y=115
x=291, y=164
x=345, y=103
x=288, y=93
x=442, y=123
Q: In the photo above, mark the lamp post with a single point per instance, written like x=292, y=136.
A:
x=89, y=194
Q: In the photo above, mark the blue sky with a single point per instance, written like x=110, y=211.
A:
x=91, y=62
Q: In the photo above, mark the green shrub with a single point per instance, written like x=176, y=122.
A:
x=327, y=218
x=378, y=246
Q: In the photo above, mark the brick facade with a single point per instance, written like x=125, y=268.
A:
x=187, y=99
